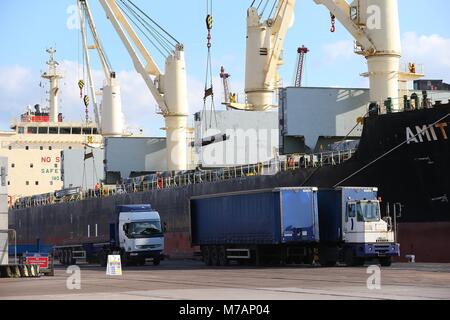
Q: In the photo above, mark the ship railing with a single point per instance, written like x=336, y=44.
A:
x=424, y=101
x=295, y=162
x=273, y=167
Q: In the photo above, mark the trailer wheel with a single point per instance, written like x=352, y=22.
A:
x=351, y=260
x=214, y=256
x=103, y=259
x=223, y=260
x=206, y=256
x=72, y=261
x=64, y=258
x=386, y=262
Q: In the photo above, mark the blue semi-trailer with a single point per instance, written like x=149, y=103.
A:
x=291, y=225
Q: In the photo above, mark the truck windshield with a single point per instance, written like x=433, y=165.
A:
x=368, y=211
x=144, y=229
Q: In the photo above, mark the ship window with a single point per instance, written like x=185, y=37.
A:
x=37, y=183
x=51, y=183
x=27, y=148
x=53, y=130
x=42, y=148
x=21, y=130
x=10, y=148
x=13, y=165
x=70, y=148
x=64, y=130
x=87, y=131
x=95, y=131
x=27, y=183
x=50, y=148
x=43, y=130
x=32, y=130
x=31, y=165
x=9, y=183
x=76, y=130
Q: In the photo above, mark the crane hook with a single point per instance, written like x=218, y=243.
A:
x=333, y=23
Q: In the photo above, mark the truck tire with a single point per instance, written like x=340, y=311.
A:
x=65, y=258
x=103, y=258
x=141, y=262
x=327, y=263
x=351, y=260
x=214, y=256
x=223, y=260
x=72, y=261
x=386, y=262
x=207, y=255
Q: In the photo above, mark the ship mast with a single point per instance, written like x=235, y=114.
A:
x=53, y=76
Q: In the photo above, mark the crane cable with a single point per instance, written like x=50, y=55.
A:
x=209, y=91
x=158, y=37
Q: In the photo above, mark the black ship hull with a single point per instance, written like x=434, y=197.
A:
x=405, y=155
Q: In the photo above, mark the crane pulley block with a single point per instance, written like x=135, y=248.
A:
x=209, y=22
x=86, y=100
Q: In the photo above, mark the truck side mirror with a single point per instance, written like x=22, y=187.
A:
x=165, y=227
x=125, y=228
x=398, y=210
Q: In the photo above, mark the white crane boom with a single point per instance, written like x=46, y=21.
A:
x=122, y=27
x=265, y=41
x=281, y=24
x=111, y=122
x=87, y=58
x=169, y=89
x=342, y=11
x=376, y=28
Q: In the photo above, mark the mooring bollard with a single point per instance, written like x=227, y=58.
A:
x=23, y=271
x=15, y=271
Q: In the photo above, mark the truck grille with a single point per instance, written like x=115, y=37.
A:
x=382, y=249
x=153, y=246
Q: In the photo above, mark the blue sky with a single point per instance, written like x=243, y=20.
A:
x=28, y=27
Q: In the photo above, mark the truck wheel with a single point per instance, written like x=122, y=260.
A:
x=359, y=262
x=141, y=262
x=71, y=261
x=351, y=260
x=207, y=256
x=103, y=260
x=214, y=256
x=65, y=258
x=326, y=263
x=386, y=262
x=223, y=260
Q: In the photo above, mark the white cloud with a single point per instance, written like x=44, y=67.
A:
x=340, y=50
x=138, y=106
x=430, y=50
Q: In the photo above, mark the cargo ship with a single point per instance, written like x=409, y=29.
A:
x=405, y=155
x=404, y=152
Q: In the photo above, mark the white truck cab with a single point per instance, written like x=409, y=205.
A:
x=141, y=235
x=363, y=223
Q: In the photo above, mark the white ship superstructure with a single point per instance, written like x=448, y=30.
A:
x=34, y=144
